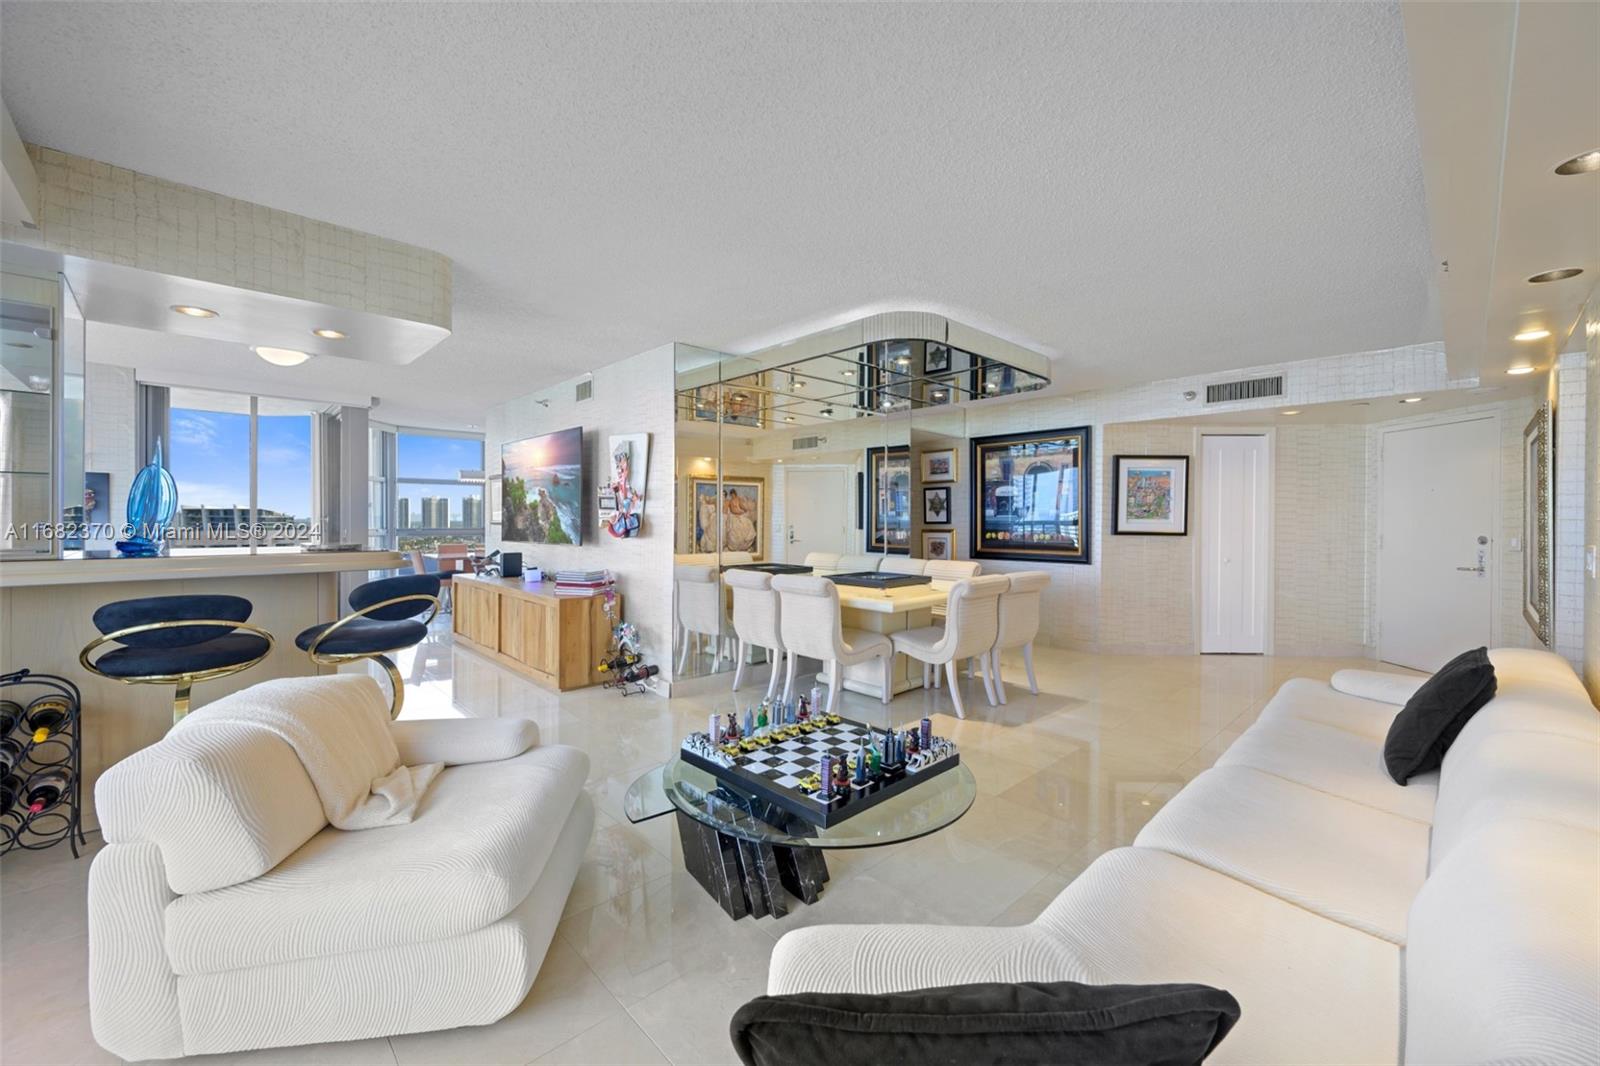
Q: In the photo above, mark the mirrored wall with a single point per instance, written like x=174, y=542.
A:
x=825, y=452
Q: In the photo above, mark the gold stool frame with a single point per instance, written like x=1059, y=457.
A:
x=183, y=681
x=397, y=685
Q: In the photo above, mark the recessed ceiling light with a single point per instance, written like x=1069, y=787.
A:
x=1362, y=403
x=1412, y=399
x=847, y=373
x=280, y=356
x=904, y=360
x=1587, y=163
x=1531, y=335
x=939, y=395
x=1520, y=370
x=193, y=311
x=788, y=418
x=329, y=334
x=1556, y=275
x=17, y=344
x=888, y=403
x=1291, y=412
x=991, y=387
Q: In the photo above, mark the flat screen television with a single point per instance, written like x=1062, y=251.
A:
x=543, y=488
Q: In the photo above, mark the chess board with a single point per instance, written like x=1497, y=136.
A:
x=774, y=772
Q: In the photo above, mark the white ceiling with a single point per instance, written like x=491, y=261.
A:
x=1138, y=190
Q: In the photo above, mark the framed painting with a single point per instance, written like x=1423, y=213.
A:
x=939, y=465
x=1538, y=538
x=1152, y=495
x=730, y=518
x=888, y=503
x=1032, y=497
x=736, y=405
x=936, y=505
x=938, y=544
x=936, y=359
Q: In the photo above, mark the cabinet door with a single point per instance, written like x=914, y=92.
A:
x=531, y=634
x=481, y=610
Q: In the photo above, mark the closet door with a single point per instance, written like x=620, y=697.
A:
x=1234, y=504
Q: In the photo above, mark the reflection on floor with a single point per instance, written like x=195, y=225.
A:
x=645, y=967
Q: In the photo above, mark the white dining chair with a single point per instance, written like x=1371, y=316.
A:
x=700, y=611
x=1019, y=624
x=972, y=621
x=756, y=611
x=901, y=564
x=822, y=562
x=809, y=624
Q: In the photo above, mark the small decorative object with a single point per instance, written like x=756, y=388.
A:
x=937, y=359
x=938, y=544
x=1538, y=531
x=622, y=499
x=1032, y=496
x=741, y=504
x=939, y=465
x=1152, y=495
x=888, y=503
x=152, y=501
x=936, y=505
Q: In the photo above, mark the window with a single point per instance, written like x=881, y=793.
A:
x=438, y=490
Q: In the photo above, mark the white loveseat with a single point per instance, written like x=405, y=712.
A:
x=1454, y=920
x=225, y=913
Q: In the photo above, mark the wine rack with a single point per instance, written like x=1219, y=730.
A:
x=42, y=756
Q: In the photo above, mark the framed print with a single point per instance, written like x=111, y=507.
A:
x=861, y=500
x=1032, y=496
x=889, y=499
x=1152, y=495
x=740, y=506
x=496, y=499
x=1538, y=487
x=936, y=359
x=938, y=544
x=936, y=505
x=738, y=406
x=939, y=465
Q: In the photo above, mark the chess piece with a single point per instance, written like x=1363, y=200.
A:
x=761, y=718
x=825, y=775
x=925, y=736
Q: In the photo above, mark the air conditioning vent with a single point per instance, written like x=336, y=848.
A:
x=801, y=444
x=1253, y=389
x=585, y=390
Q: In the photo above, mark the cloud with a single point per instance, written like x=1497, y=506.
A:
x=194, y=431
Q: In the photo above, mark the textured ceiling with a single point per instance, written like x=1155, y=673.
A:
x=1138, y=190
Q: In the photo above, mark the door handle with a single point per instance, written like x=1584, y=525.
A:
x=1472, y=569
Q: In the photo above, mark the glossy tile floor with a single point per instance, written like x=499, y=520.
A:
x=645, y=968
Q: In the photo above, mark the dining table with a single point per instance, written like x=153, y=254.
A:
x=457, y=562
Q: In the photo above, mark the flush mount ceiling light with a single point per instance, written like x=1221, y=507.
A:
x=1555, y=275
x=1412, y=399
x=1531, y=335
x=1587, y=163
x=193, y=311
x=280, y=356
x=329, y=334
x=1519, y=370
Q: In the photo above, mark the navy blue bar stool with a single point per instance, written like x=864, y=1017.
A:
x=382, y=619
x=176, y=640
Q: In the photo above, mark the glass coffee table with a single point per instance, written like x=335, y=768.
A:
x=751, y=856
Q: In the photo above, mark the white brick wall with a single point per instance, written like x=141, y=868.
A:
x=110, y=437
x=1571, y=444
x=631, y=396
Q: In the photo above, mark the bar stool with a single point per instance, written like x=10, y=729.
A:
x=382, y=619
x=176, y=640
x=755, y=623
x=969, y=631
x=809, y=622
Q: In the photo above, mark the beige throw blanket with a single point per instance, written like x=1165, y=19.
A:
x=339, y=727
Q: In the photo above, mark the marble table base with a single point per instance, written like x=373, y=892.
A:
x=746, y=877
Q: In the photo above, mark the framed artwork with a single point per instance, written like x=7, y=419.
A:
x=1152, y=495
x=621, y=497
x=543, y=488
x=938, y=544
x=1538, y=539
x=93, y=521
x=936, y=505
x=738, y=509
x=937, y=392
x=939, y=465
x=861, y=500
x=936, y=359
x=496, y=486
x=1032, y=497
x=739, y=406
x=888, y=503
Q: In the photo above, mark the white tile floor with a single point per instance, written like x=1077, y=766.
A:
x=645, y=968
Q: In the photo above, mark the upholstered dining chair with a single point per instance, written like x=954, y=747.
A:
x=1019, y=624
x=419, y=565
x=756, y=613
x=176, y=640
x=383, y=618
x=700, y=611
x=972, y=620
x=809, y=623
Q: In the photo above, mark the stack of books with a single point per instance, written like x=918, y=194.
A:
x=581, y=582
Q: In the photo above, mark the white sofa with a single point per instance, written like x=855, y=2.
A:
x=1454, y=920
x=225, y=913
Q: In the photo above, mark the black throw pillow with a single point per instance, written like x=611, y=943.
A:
x=1434, y=716
x=964, y=1025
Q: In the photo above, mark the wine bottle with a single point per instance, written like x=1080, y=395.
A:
x=47, y=715
x=10, y=789
x=46, y=788
x=10, y=754
x=10, y=715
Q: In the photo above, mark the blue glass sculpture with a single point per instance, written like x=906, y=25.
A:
x=152, y=501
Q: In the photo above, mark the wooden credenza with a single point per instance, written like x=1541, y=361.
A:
x=556, y=640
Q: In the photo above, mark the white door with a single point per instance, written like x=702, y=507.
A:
x=817, y=511
x=1435, y=552
x=1235, y=500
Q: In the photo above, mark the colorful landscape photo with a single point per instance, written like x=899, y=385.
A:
x=543, y=488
